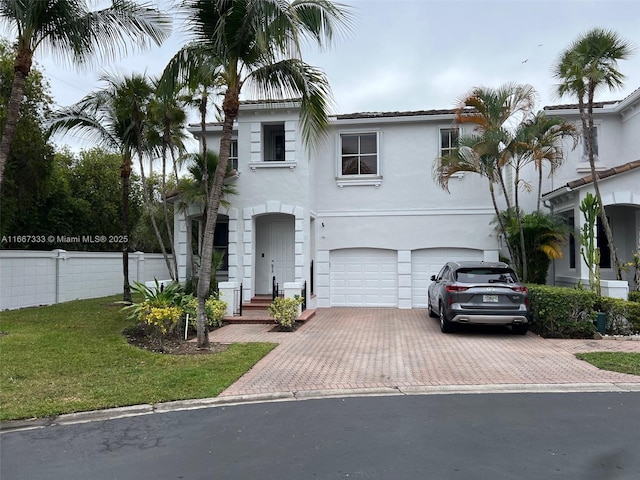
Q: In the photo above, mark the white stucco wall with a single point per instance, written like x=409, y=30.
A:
x=30, y=278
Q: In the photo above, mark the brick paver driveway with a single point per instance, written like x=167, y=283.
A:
x=369, y=348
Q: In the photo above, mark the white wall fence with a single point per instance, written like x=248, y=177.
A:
x=30, y=278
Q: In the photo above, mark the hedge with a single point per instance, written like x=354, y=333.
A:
x=561, y=312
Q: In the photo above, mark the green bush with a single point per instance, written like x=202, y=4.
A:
x=634, y=296
x=560, y=312
x=623, y=317
x=214, y=308
x=285, y=311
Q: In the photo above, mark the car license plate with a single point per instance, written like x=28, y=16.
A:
x=490, y=298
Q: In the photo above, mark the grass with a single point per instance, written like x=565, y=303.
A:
x=73, y=357
x=623, y=362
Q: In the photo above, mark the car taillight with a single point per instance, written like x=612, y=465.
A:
x=520, y=288
x=456, y=288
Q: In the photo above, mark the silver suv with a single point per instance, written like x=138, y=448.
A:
x=481, y=293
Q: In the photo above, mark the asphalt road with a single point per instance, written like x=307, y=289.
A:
x=567, y=436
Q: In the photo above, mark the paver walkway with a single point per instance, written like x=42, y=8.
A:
x=360, y=348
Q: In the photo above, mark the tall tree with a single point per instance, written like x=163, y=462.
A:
x=27, y=186
x=72, y=30
x=495, y=114
x=114, y=117
x=587, y=65
x=256, y=42
x=541, y=140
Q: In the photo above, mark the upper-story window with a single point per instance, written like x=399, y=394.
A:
x=273, y=142
x=585, y=154
x=359, y=154
x=233, y=155
x=448, y=140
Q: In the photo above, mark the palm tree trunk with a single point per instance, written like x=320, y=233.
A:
x=165, y=209
x=125, y=175
x=22, y=67
x=592, y=163
x=539, y=187
x=523, y=250
x=230, y=107
x=154, y=224
x=503, y=230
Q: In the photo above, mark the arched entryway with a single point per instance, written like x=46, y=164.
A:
x=275, y=251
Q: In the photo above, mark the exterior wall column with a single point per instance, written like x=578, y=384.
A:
x=404, y=279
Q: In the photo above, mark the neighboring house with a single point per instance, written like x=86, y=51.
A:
x=359, y=216
x=617, y=133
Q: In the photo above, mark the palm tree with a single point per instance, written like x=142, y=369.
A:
x=536, y=139
x=589, y=64
x=70, y=29
x=167, y=118
x=193, y=190
x=544, y=235
x=541, y=139
x=495, y=114
x=114, y=117
x=256, y=42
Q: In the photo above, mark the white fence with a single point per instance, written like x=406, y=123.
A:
x=30, y=278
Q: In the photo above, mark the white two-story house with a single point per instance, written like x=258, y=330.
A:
x=617, y=148
x=358, y=216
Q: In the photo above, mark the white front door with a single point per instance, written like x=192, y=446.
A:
x=275, y=251
x=282, y=252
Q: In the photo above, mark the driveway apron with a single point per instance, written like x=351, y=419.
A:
x=364, y=348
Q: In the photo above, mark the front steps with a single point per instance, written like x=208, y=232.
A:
x=256, y=312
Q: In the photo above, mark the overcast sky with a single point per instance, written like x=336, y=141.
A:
x=423, y=54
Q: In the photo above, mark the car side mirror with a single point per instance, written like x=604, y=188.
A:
x=433, y=278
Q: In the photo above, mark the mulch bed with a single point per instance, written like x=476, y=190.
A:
x=171, y=344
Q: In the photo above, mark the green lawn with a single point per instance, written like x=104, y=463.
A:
x=73, y=357
x=623, y=362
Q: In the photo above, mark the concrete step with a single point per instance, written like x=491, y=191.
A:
x=261, y=316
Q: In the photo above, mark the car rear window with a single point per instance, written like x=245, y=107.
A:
x=486, y=275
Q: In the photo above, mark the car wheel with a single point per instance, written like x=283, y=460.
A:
x=432, y=314
x=520, y=329
x=445, y=325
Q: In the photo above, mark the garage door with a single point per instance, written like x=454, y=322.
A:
x=427, y=262
x=364, y=277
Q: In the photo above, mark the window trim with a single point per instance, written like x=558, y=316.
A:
x=358, y=179
x=440, y=130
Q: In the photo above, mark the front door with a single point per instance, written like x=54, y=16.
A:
x=275, y=251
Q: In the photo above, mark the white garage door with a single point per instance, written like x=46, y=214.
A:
x=364, y=277
x=427, y=262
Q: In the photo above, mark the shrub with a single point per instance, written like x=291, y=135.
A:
x=623, y=318
x=214, y=308
x=634, y=296
x=285, y=311
x=559, y=312
x=161, y=309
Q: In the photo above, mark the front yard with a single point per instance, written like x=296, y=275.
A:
x=73, y=357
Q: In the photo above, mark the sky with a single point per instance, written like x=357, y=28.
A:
x=404, y=55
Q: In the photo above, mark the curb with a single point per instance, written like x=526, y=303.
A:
x=233, y=400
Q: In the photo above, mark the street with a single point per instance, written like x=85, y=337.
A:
x=467, y=436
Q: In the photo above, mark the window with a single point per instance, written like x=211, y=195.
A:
x=448, y=140
x=603, y=245
x=585, y=154
x=221, y=243
x=359, y=154
x=572, y=241
x=274, y=142
x=233, y=155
